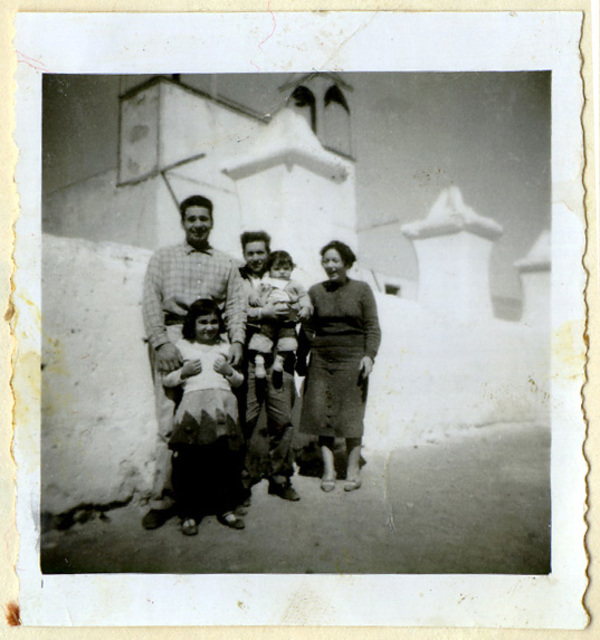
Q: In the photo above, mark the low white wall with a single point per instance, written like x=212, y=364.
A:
x=98, y=432
x=98, y=428
x=435, y=375
x=143, y=215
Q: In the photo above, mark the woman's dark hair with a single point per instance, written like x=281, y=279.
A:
x=256, y=236
x=195, y=201
x=280, y=258
x=346, y=253
x=202, y=307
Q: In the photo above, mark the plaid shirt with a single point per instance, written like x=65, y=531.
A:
x=177, y=276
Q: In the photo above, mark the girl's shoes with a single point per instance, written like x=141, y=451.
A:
x=230, y=520
x=189, y=527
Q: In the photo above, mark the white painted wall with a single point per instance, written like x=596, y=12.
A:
x=139, y=151
x=166, y=123
x=536, y=298
x=98, y=426
x=536, y=282
x=98, y=210
x=191, y=124
x=435, y=375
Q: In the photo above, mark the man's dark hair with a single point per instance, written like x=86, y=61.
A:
x=256, y=236
x=202, y=307
x=280, y=258
x=195, y=201
x=346, y=253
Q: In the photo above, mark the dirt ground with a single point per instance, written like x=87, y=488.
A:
x=473, y=502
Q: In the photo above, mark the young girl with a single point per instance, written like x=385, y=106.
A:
x=207, y=442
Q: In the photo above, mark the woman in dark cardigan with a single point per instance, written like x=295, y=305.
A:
x=344, y=337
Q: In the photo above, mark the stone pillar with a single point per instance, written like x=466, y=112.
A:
x=534, y=270
x=453, y=246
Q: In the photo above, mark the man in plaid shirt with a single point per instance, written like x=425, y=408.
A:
x=176, y=277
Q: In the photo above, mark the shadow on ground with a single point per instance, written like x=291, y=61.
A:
x=476, y=502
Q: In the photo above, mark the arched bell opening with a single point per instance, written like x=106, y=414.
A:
x=303, y=101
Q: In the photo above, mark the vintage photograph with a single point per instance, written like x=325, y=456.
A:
x=299, y=319
x=296, y=323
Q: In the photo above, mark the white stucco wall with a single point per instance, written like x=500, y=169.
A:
x=139, y=134
x=165, y=123
x=191, y=124
x=142, y=215
x=536, y=298
x=98, y=428
x=536, y=282
x=435, y=375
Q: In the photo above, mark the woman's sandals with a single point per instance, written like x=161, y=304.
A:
x=328, y=484
x=352, y=485
x=189, y=527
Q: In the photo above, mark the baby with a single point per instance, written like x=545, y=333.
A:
x=278, y=335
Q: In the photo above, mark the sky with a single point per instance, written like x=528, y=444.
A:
x=413, y=135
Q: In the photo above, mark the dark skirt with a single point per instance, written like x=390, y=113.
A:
x=207, y=479
x=334, y=393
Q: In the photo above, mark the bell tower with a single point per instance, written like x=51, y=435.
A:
x=321, y=98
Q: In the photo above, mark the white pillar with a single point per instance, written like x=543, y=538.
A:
x=300, y=193
x=453, y=246
x=535, y=274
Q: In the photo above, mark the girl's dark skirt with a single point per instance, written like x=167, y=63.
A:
x=207, y=479
x=207, y=460
x=334, y=393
